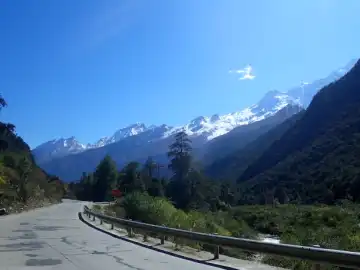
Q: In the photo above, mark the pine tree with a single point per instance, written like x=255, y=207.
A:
x=104, y=176
x=180, y=156
x=149, y=167
x=147, y=172
x=24, y=169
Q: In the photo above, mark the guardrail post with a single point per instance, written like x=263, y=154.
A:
x=316, y=266
x=101, y=222
x=216, y=252
x=145, y=238
x=93, y=219
x=111, y=226
x=130, y=231
x=162, y=240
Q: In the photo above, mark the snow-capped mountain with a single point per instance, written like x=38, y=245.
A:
x=58, y=148
x=204, y=126
x=62, y=147
x=123, y=133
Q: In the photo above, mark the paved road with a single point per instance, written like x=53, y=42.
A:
x=54, y=238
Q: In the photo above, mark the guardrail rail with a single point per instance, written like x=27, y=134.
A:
x=340, y=258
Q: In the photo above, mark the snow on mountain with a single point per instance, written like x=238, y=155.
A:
x=58, y=148
x=216, y=125
x=120, y=134
x=209, y=127
x=271, y=103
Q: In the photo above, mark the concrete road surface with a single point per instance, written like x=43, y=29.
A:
x=54, y=238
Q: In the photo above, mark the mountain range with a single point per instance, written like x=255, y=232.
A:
x=211, y=136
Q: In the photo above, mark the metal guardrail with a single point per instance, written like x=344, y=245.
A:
x=317, y=255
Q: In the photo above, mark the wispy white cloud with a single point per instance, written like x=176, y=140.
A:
x=246, y=73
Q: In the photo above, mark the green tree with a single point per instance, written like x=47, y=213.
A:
x=227, y=192
x=196, y=191
x=156, y=188
x=24, y=168
x=3, y=103
x=180, y=156
x=105, y=175
x=85, y=189
x=130, y=179
x=281, y=195
x=3, y=180
x=150, y=167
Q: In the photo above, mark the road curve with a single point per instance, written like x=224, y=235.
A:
x=54, y=238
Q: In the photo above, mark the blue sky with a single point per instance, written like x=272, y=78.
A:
x=88, y=67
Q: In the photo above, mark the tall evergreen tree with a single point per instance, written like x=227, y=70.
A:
x=24, y=169
x=180, y=156
x=182, y=189
x=104, y=176
x=150, y=167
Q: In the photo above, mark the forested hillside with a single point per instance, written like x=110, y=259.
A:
x=233, y=165
x=23, y=184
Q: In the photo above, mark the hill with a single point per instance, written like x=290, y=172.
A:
x=315, y=160
x=23, y=184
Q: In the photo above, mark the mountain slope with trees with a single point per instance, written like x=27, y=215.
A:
x=233, y=165
x=317, y=159
x=23, y=184
x=241, y=136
